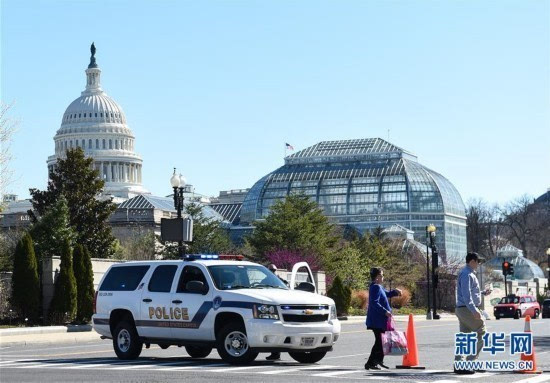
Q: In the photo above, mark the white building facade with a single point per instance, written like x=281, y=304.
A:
x=97, y=124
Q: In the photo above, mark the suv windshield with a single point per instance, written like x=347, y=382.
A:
x=227, y=277
x=509, y=300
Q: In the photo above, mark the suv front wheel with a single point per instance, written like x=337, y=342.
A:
x=307, y=357
x=232, y=344
x=126, y=341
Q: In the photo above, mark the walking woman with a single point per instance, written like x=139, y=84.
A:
x=378, y=315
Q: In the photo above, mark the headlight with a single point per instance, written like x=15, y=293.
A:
x=333, y=312
x=265, y=312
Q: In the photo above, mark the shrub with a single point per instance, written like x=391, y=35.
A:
x=83, y=273
x=341, y=295
x=63, y=307
x=25, y=282
x=286, y=259
x=359, y=299
x=402, y=300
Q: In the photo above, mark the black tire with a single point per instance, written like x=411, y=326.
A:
x=164, y=346
x=198, y=351
x=517, y=314
x=307, y=357
x=497, y=317
x=536, y=314
x=126, y=341
x=234, y=353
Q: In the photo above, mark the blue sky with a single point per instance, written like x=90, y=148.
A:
x=216, y=88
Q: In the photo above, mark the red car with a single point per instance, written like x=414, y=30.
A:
x=514, y=306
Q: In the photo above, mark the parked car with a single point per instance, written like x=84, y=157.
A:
x=546, y=308
x=517, y=306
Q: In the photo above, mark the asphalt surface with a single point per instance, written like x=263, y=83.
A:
x=95, y=361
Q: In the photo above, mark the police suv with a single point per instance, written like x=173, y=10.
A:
x=240, y=308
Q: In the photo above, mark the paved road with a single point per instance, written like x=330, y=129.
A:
x=95, y=361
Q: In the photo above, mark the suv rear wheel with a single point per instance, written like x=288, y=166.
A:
x=126, y=341
x=517, y=314
x=536, y=314
x=307, y=357
x=198, y=351
x=232, y=344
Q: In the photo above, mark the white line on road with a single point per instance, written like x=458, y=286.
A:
x=344, y=356
x=294, y=370
x=190, y=367
x=18, y=365
x=336, y=373
x=237, y=369
x=479, y=375
x=536, y=379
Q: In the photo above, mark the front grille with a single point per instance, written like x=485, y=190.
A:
x=304, y=307
x=305, y=318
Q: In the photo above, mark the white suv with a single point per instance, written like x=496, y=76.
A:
x=239, y=307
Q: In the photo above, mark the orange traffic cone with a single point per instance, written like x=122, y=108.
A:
x=531, y=357
x=410, y=360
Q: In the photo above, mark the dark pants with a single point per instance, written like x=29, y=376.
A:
x=377, y=353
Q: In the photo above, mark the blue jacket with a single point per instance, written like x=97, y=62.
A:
x=378, y=306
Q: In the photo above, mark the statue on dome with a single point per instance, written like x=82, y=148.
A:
x=93, y=64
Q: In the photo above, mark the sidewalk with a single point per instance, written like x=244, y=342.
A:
x=398, y=318
x=26, y=336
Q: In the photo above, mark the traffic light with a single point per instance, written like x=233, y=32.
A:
x=507, y=268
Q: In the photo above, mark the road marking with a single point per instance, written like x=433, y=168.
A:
x=336, y=373
x=236, y=369
x=190, y=367
x=13, y=365
x=537, y=379
x=345, y=356
x=478, y=375
x=273, y=372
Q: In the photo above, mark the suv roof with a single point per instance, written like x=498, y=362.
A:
x=206, y=262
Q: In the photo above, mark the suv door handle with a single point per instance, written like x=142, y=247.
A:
x=177, y=301
x=147, y=300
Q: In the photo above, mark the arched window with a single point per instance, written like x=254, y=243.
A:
x=83, y=144
x=79, y=115
x=104, y=144
x=110, y=144
x=101, y=114
x=89, y=144
x=96, y=143
x=116, y=144
x=96, y=114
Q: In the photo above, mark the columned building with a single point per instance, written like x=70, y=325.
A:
x=97, y=124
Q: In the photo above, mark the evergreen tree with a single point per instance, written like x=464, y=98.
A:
x=295, y=223
x=341, y=295
x=64, y=302
x=25, y=282
x=77, y=180
x=51, y=229
x=83, y=273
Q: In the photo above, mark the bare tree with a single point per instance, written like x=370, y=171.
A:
x=8, y=127
x=485, y=230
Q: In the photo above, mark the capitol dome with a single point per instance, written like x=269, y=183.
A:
x=97, y=124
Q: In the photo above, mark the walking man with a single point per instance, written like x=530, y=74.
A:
x=468, y=303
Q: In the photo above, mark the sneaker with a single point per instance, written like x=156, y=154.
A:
x=384, y=366
x=371, y=367
x=274, y=356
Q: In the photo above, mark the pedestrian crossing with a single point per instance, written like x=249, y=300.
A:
x=182, y=364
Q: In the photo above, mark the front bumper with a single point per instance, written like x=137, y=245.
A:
x=271, y=335
x=504, y=313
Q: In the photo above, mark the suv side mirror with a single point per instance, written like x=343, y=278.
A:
x=196, y=287
x=306, y=286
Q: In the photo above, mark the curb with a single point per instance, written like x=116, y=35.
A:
x=45, y=330
x=48, y=339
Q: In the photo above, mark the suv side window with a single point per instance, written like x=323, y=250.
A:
x=162, y=278
x=191, y=273
x=123, y=278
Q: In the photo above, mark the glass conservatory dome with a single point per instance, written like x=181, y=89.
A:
x=367, y=183
x=524, y=268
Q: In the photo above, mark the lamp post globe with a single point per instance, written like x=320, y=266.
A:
x=175, y=180
x=182, y=181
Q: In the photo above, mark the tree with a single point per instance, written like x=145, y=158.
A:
x=8, y=126
x=349, y=266
x=8, y=242
x=341, y=295
x=75, y=179
x=140, y=246
x=295, y=223
x=25, y=282
x=84, y=277
x=52, y=229
x=64, y=302
x=286, y=259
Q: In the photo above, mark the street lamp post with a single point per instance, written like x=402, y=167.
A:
x=429, y=229
x=178, y=183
